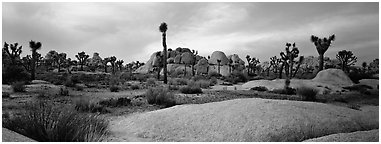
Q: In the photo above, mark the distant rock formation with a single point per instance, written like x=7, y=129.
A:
x=218, y=55
x=96, y=60
x=179, y=57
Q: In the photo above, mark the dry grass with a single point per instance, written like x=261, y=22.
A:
x=246, y=120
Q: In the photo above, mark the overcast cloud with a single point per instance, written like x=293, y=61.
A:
x=130, y=32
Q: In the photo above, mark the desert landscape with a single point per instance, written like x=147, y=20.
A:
x=182, y=94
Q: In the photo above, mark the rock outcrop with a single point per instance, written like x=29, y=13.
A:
x=332, y=76
x=218, y=55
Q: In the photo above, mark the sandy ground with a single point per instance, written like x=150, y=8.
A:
x=243, y=120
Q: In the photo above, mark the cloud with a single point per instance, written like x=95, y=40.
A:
x=130, y=32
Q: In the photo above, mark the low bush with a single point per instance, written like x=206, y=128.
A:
x=115, y=102
x=86, y=105
x=173, y=87
x=14, y=73
x=203, y=83
x=135, y=87
x=236, y=77
x=160, y=96
x=151, y=82
x=18, y=86
x=214, y=74
x=259, y=88
x=5, y=95
x=48, y=122
x=178, y=81
x=114, y=88
x=307, y=93
x=64, y=92
x=190, y=90
x=287, y=91
x=79, y=87
x=213, y=81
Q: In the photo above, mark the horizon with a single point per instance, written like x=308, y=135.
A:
x=257, y=29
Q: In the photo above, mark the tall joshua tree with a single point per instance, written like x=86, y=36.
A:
x=105, y=62
x=163, y=29
x=14, y=54
x=82, y=57
x=112, y=61
x=322, y=46
x=119, y=64
x=34, y=47
x=346, y=59
x=288, y=60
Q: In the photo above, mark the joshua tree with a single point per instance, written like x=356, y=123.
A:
x=159, y=64
x=27, y=63
x=230, y=65
x=67, y=64
x=218, y=64
x=163, y=29
x=346, y=59
x=119, y=64
x=301, y=59
x=288, y=60
x=112, y=61
x=14, y=54
x=61, y=60
x=34, y=46
x=322, y=46
x=105, y=62
x=274, y=63
x=248, y=63
x=82, y=58
x=364, y=66
x=194, y=61
x=252, y=64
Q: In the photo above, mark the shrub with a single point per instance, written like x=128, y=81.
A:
x=190, y=90
x=115, y=102
x=79, y=87
x=14, y=73
x=47, y=122
x=259, y=88
x=236, y=77
x=135, y=87
x=64, y=91
x=203, y=83
x=213, y=74
x=18, y=86
x=307, y=93
x=173, y=87
x=160, y=96
x=86, y=105
x=151, y=82
x=6, y=94
x=199, y=77
x=213, y=81
x=287, y=91
x=114, y=88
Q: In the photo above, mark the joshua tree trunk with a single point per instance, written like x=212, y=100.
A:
x=281, y=71
x=321, y=62
x=185, y=70
x=33, y=68
x=106, y=68
x=165, y=57
x=219, y=68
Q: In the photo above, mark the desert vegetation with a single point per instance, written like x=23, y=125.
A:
x=55, y=98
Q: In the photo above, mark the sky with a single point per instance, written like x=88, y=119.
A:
x=130, y=31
